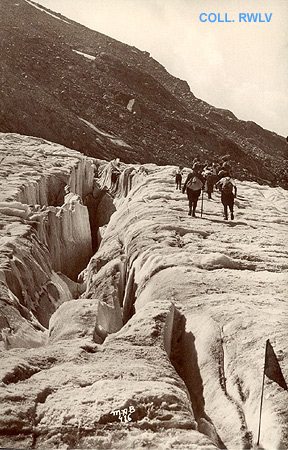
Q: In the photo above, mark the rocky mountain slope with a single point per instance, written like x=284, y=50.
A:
x=156, y=340
x=74, y=86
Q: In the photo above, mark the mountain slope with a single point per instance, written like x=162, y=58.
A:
x=77, y=87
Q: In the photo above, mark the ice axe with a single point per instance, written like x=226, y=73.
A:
x=202, y=202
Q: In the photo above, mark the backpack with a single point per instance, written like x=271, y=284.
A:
x=227, y=186
x=194, y=183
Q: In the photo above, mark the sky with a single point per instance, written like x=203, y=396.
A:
x=240, y=66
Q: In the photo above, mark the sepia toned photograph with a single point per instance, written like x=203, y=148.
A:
x=143, y=225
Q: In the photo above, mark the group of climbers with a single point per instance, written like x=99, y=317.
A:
x=203, y=178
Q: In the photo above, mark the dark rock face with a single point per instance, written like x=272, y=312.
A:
x=77, y=87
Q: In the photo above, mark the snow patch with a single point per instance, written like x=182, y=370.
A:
x=131, y=104
x=92, y=58
x=103, y=133
x=113, y=139
x=278, y=220
x=120, y=142
x=219, y=261
x=159, y=196
x=43, y=10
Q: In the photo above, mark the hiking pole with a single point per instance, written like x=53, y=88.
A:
x=202, y=202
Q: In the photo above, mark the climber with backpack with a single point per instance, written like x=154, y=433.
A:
x=193, y=184
x=228, y=190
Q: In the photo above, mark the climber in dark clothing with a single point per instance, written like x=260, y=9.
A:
x=209, y=178
x=226, y=186
x=178, y=178
x=193, y=184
